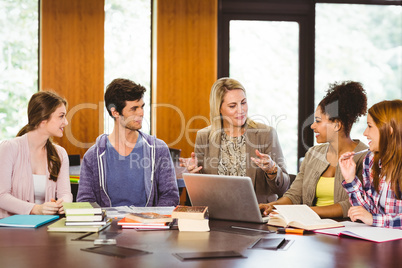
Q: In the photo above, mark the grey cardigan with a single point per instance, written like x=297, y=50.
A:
x=303, y=189
x=263, y=138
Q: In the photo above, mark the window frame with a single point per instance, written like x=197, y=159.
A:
x=300, y=11
x=303, y=13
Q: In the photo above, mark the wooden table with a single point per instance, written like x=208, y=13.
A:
x=20, y=247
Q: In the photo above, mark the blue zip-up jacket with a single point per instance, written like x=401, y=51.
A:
x=160, y=178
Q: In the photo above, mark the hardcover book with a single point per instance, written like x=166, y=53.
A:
x=73, y=208
x=148, y=217
x=190, y=212
x=85, y=217
x=191, y=225
x=299, y=216
x=86, y=223
x=127, y=223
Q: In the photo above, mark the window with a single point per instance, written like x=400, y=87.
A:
x=128, y=48
x=264, y=58
x=18, y=63
x=356, y=42
x=127, y=55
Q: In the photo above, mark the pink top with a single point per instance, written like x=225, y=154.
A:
x=16, y=180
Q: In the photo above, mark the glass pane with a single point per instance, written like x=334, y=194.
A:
x=264, y=57
x=18, y=63
x=128, y=48
x=361, y=43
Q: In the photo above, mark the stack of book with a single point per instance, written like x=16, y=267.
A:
x=192, y=218
x=84, y=213
x=75, y=173
x=145, y=221
x=81, y=217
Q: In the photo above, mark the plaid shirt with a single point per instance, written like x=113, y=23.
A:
x=365, y=195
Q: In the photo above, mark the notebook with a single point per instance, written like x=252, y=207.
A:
x=227, y=197
x=27, y=221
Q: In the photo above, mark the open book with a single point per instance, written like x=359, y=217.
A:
x=364, y=231
x=299, y=216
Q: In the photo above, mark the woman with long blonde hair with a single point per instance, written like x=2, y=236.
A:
x=378, y=200
x=235, y=145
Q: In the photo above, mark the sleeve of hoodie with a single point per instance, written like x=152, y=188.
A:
x=88, y=177
x=168, y=192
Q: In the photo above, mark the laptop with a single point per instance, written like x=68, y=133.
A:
x=227, y=197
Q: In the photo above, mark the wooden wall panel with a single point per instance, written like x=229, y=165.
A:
x=72, y=64
x=184, y=69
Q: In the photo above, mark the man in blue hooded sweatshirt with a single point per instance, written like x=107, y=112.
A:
x=127, y=167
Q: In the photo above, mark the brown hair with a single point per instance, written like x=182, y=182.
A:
x=119, y=91
x=40, y=107
x=387, y=115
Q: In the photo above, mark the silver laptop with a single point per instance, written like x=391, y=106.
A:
x=227, y=197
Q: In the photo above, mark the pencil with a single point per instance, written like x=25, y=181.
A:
x=290, y=231
x=356, y=153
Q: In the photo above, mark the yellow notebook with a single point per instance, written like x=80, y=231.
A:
x=60, y=226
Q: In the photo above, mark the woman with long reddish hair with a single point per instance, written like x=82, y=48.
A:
x=378, y=200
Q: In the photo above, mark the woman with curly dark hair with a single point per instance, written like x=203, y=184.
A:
x=319, y=182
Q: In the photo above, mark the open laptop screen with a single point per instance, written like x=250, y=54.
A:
x=227, y=197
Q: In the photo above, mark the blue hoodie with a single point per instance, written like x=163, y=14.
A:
x=160, y=178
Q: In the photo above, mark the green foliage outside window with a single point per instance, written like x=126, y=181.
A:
x=361, y=43
x=128, y=48
x=18, y=62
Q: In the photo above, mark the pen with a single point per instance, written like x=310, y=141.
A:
x=249, y=229
x=290, y=231
x=108, y=223
x=359, y=152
